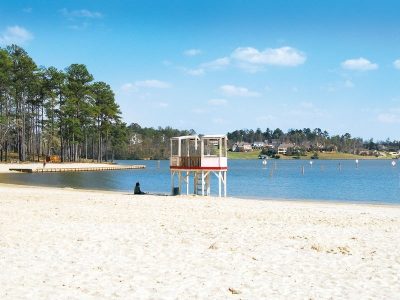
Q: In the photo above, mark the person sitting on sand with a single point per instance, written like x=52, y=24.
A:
x=137, y=190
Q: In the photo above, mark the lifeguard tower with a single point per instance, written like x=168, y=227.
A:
x=199, y=158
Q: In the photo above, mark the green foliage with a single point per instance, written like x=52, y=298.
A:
x=47, y=111
x=315, y=155
x=268, y=151
x=150, y=143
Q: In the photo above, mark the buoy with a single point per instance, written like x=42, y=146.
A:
x=264, y=162
x=311, y=162
x=393, y=163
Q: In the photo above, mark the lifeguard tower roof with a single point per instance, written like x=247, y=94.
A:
x=216, y=136
x=186, y=137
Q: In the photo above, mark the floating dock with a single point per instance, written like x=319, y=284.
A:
x=80, y=169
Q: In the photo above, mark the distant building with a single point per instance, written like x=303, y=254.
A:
x=136, y=139
x=282, y=148
x=258, y=145
x=365, y=152
x=268, y=146
x=382, y=147
x=242, y=147
x=306, y=145
x=275, y=143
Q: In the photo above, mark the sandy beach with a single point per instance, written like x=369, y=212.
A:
x=72, y=244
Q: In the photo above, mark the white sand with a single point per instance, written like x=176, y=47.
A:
x=68, y=244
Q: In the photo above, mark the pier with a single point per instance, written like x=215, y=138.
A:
x=57, y=169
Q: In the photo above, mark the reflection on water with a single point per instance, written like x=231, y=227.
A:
x=371, y=181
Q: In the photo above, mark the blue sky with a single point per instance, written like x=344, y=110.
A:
x=216, y=66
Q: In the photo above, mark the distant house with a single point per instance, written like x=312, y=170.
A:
x=275, y=143
x=242, y=147
x=136, y=139
x=306, y=145
x=258, y=145
x=378, y=153
x=365, y=152
x=282, y=148
x=382, y=147
x=268, y=146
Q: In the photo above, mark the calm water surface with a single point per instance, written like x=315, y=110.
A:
x=373, y=181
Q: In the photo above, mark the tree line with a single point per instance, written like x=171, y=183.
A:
x=150, y=143
x=313, y=138
x=46, y=111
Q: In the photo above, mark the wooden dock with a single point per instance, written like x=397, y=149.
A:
x=80, y=169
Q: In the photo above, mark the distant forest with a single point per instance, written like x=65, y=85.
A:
x=313, y=139
x=45, y=111
x=154, y=143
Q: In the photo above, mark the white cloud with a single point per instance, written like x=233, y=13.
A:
x=396, y=64
x=150, y=83
x=389, y=118
x=217, y=102
x=359, y=64
x=81, y=13
x=126, y=87
x=15, y=35
x=192, y=52
x=249, y=59
x=237, y=91
x=217, y=64
x=284, y=56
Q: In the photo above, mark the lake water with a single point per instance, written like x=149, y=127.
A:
x=374, y=181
